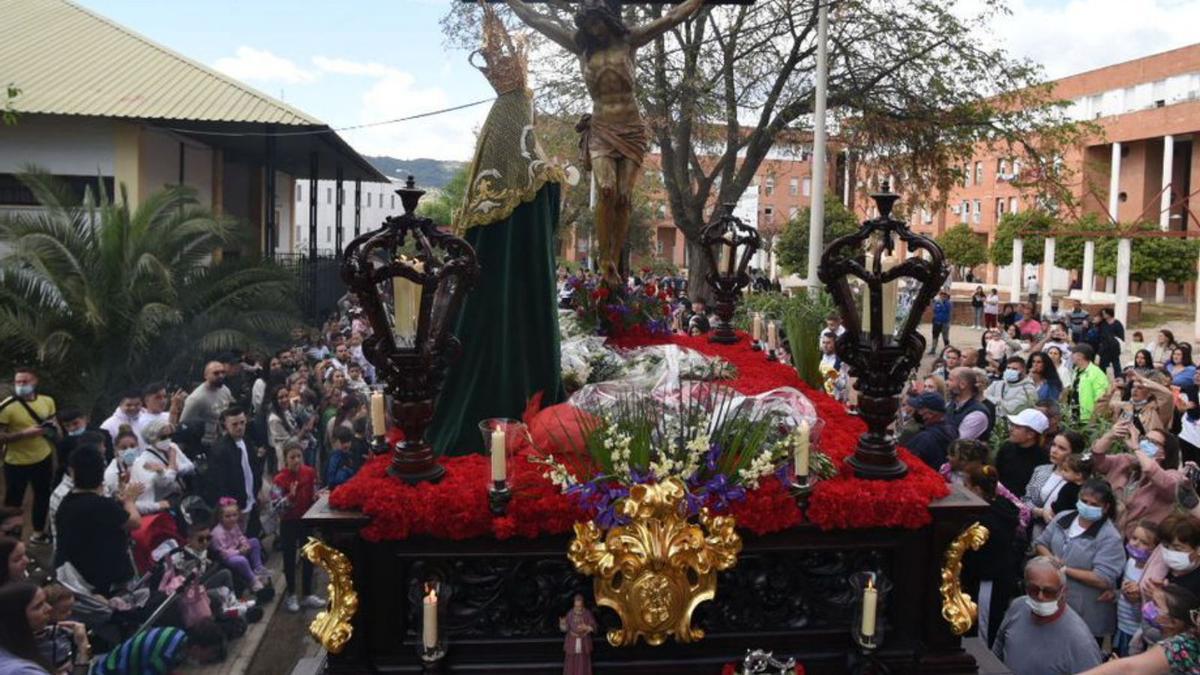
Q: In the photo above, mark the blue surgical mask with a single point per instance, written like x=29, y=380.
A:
x=76, y=432
x=1149, y=447
x=1011, y=375
x=23, y=389
x=128, y=456
x=1089, y=512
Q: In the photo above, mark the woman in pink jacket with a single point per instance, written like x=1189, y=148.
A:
x=1145, y=480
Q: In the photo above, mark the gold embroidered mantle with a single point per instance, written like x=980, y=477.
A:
x=509, y=166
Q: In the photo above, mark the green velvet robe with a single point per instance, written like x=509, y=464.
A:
x=508, y=327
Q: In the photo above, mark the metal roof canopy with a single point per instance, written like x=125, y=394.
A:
x=293, y=152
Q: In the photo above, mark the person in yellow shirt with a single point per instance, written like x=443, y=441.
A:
x=26, y=428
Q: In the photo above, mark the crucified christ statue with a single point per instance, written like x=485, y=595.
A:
x=614, y=136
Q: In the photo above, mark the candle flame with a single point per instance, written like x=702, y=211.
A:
x=871, y=583
x=431, y=593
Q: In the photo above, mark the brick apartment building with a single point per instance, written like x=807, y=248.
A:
x=1149, y=111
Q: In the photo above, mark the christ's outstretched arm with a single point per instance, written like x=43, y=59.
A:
x=544, y=25
x=679, y=13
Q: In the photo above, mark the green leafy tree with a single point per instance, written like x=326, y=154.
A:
x=442, y=207
x=1151, y=258
x=1022, y=225
x=1068, y=251
x=101, y=297
x=963, y=247
x=792, y=246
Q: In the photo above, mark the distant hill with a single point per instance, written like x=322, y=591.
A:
x=428, y=173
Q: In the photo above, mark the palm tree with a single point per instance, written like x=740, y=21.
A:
x=103, y=298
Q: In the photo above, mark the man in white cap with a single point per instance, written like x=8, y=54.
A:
x=1023, y=450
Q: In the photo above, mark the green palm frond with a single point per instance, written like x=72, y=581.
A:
x=103, y=296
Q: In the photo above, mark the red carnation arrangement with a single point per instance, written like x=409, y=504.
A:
x=457, y=507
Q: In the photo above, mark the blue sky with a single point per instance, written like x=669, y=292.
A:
x=372, y=60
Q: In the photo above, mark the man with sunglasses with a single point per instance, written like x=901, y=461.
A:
x=1040, y=634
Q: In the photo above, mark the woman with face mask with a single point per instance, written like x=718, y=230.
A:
x=1146, y=478
x=1092, y=552
x=125, y=453
x=1173, y=614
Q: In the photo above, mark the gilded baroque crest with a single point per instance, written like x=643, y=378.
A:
x=655, y=570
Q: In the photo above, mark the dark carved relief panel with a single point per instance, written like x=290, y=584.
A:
x=522, y=597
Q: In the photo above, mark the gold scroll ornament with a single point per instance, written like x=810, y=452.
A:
x=958, y=609
x=332, y=627
x=655, y=571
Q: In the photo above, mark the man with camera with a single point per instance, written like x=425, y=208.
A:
x=27, y=433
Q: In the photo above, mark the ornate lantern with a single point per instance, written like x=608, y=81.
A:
x=879, y=356
x=411, y=280
x=729, y=244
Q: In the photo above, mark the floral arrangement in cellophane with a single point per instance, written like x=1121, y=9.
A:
x=719, y=443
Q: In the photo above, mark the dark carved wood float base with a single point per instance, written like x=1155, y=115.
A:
x=788, y=593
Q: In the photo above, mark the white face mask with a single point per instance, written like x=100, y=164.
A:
x=1178, y=561
x=164, y=444
x=1042, y=608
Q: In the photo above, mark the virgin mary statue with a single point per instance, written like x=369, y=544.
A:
x=509, y=323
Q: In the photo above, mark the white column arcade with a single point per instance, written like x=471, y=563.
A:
x=1164, y=205
x=1017, y=265
x=1089, y=269
x=1048, y=265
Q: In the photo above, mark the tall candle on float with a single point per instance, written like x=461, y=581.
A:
x=499, y=461
x=890, y=294
x=772, y=335
x=429, y=618
x=378, y=419
x=406, y=299
x=756, y=327
x=801, y=458
x=870, y=600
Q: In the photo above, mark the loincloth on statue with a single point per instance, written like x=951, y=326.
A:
x=629, y=140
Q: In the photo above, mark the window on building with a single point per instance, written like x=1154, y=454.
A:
x=807, y=189
x=978, y=213
x=328, y=233
x=1001, y=169
x=999, y=208
x=662, y=210
x=299, y=232
x=979, y=173
x=1012, y=204
x=926, y=216
x=966, y=175
x=769, y=213
x=964, y=211
x=1016, y=168
x=794, y=186
x=393, y=206
x=328, y=195
x=793, y=212
x=368, y=199
x=658, y=246
x=299, y=192
x=770, y=186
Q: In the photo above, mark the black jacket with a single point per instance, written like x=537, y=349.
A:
x=225, y=477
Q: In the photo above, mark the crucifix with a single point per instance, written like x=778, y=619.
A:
x=614, y=138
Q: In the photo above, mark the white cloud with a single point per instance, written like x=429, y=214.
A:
x=394, y=94
x=1073, y=36
x=347, y=67
x=260, y=65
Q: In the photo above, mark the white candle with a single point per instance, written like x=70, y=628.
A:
x=772, y=336
x=756, y=327
x=890, y=294
x=499, y=463
x=378, y=419
x=429, y=628
x=870, y=598
x=802, y=449
x=406, y=299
